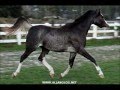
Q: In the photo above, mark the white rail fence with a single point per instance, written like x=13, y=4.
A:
x=95, y=33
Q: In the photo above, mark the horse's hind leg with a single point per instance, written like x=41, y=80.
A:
x=83, y=52
x=71, y=61
x=44, y=62
x=23, y=57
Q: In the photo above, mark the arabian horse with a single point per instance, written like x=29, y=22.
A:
x=68, y=38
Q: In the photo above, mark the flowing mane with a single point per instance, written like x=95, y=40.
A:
x=80, y=19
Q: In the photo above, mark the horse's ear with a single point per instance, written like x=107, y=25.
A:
x=98, y=11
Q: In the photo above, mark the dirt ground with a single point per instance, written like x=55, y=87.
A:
x=9, y=60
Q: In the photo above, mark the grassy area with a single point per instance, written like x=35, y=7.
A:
x=11, y=47
x=85, y=74
x=104, y=42
x=94, y=42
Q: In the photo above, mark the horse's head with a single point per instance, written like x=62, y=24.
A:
x=99, y=19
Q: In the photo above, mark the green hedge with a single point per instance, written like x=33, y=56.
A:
x=118, y=27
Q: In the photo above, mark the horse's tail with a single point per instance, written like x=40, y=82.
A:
x=22, y=23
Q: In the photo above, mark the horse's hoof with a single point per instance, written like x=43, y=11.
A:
x=14, y=75
x=101, y=75
x=52, y=76
x=60, y=77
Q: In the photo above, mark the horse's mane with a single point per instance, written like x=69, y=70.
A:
x=79, y=19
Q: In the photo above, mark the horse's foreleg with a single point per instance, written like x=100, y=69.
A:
x=83, y=52
x=65, y=72
x=71, y=61
x=44, y=62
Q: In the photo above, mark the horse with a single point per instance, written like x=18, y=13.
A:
x=68, y=38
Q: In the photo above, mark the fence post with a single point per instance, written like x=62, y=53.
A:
x=94, y=31
x=18, y=36
x=115, y=28
x=48, y=24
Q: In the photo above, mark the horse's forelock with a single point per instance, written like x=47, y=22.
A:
x=98, y=12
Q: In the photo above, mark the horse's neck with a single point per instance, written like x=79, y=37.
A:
x=84, y=26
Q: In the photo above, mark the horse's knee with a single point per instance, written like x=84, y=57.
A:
x=71, y=64
x=25, y=55
x=40, y=58
x=71, y=61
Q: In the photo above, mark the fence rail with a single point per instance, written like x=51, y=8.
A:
x=94, y=30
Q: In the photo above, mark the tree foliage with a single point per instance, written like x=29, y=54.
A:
x=65, y=11
x=10, y=11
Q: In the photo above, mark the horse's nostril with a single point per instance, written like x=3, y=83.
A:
x=106, y=25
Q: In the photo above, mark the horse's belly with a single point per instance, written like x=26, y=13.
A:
x=59, y=47
x=67, y=49
x=58, y=44
x=70, y=49
x=55, y=47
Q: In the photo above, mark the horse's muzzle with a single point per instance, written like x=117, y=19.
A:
x=106, y=25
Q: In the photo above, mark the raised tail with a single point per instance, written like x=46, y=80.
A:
x=22, y=23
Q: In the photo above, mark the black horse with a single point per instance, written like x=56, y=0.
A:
x=68, y=38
